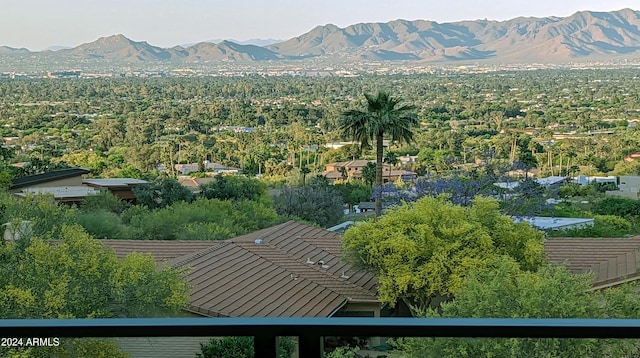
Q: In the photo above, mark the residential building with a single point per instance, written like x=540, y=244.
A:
x=353, y=169
x=550, y=223
x=628, y=188
x=69, y=186
x=56, y=178
x=209, y=167
x=289, y=270
x=552, y=182
x=120, y=187
x=586, y=180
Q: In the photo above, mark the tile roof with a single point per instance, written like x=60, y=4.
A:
x=162, y=250
x=612, y=260
x=161, y=347
x=193, y=184
x=289, y=270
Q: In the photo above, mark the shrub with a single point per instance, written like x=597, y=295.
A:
x=320, y=205
x=208, y=219
x=226, y=187
x=343, y=352
x=101, y=224
x=241, y=347
x=626, y=208
x=104, y=200
x=162, y=193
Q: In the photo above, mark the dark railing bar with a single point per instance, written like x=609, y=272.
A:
x=387, y=327
x=310, y=330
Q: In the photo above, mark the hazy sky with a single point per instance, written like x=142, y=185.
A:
x=38, y=24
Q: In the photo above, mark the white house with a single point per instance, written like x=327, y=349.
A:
x=550, y=223
x=586, y=180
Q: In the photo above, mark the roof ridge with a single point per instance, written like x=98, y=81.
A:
x=292, y=276
x=324, y=273
x=182, y=260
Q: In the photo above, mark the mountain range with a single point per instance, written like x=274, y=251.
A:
x=584, y=35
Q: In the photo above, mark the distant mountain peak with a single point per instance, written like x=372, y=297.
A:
x=584, y=35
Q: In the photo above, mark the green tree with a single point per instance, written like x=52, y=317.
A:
x=203, y=219
x=103, y=200
x=231, y=187
x=6, y=176
x=321, y=205
x=422, y=251
x=383, y=116
x=503, y=290
x=161, y=193
x=72, y=275
x=369, y=173
x=44, y=216
x=354, y=191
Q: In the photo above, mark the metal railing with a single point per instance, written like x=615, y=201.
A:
x=310, y=330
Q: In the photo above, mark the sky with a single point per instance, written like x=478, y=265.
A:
x=40, y=24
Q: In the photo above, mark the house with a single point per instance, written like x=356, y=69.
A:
x=64, y=184
x=510, y=185
x=408, y=160
x=69, y=186
x=209, y=167
x=336, y=145
x=120, y=187
x=193, y=184
x=586, y=180
x=56, y=178
x=628, y=188
x=633, y=156
x=552, y=182
x=549, y=223
x=62, y=194
x=289, y=270
x=353, y=169
x=612, y=261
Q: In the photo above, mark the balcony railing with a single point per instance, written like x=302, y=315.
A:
x=310, y=330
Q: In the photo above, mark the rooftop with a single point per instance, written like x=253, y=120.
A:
x=114, y=182
x=611, y=260
x=552, y=223
x=47, y=177
x=289, y=270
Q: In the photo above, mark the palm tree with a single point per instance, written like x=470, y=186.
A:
x=384, y=115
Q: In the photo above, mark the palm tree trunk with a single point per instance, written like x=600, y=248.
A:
x=379, y=149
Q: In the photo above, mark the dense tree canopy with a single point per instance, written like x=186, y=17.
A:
x=72, y=275
x=319, y=204
x=503, y=290
x=422, y=251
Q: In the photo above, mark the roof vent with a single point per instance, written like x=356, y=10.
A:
x=344, y=275
x=258, y=241
x=309, y=261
